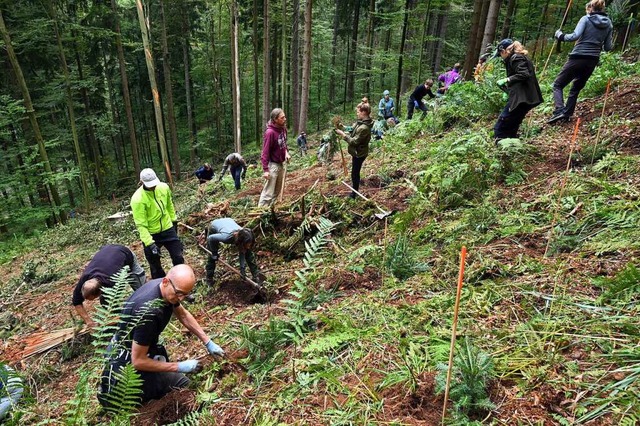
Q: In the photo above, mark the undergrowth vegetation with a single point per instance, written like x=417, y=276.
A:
x=550, y=302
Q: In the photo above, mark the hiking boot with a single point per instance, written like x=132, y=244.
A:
x=561, y=117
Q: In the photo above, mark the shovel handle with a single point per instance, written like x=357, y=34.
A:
x=365, y=198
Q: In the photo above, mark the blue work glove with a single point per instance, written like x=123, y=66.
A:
x=502, y=82
x=189, y=366
x=416, y=104
x=214, y=349
x=559, y=35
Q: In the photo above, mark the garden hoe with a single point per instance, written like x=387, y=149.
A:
x=383, y=213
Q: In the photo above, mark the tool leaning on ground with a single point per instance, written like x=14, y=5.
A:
x=262, y=292
x=383, y=213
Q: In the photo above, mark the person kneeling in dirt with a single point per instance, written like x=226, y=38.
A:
x=108, y=261
x=226, y=230
x=146, y=314
x=204, y=173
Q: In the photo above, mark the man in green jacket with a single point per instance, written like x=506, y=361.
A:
x=155, y=218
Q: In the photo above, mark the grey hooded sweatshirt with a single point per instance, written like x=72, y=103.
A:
x=593, y=33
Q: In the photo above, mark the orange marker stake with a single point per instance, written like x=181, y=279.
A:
x=604, y=105
x=564, y=182
x=463, y=256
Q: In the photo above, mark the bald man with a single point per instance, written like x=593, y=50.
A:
x=145, y=316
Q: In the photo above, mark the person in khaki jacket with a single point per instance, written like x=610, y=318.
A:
x=358, y=141
x=274, y=155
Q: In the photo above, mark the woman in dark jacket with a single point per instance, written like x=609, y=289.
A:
x=593, y=33
x=358, y=142
x=522, y=86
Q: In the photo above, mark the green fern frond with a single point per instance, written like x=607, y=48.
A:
x=191, y=419
x=124, y=397
x=75, y=414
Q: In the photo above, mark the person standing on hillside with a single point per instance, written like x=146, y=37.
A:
x=448, y=78
x=238, y=168
x=593, y=34
x=301, y=141
x=226, y=230
x=274, y=155
x=145, y=315
x=415, y=100
x=108, y=261
x=521, y=85
x=155, y=218
x=358, y=143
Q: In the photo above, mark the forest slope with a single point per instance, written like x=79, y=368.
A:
x=550, y=295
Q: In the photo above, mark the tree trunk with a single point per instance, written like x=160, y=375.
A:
x=425, y=28
x=283, y=61
x=491, y=25
x=295, y=67
x=405, y=25
x=168, y=88
x=469, y=56
x=508, y=18
x=443, y=24
x=256, y=84
x=126, y=96
x=480, y=34
x=70, y=109
x=351, y=67
x=235, y=77
x=306, y=67
x=28, y=105
x=370, y=30
x=217, y=85
x=186, y=59
x=407, y=77
x=266, y=65
x=334, y=50
x=151, y=71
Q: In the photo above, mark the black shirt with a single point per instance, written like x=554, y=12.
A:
x=420, y=92
x=150, y=314
x=109, y=260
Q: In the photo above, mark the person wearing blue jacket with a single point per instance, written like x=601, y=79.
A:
x=593, y=33
x=226, y=230
x=204, y=173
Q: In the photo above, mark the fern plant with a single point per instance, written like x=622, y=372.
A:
x=303, y=294
x=472, y=371
x=124, y=397
x=401, y=259
x=621, y=287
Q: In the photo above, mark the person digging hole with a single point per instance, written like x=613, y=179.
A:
x=226, y=230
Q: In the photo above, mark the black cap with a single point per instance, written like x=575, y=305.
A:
x=501, y=46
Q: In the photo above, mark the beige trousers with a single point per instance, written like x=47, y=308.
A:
x=273, y=186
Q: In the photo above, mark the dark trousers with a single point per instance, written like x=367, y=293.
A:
x=154, y=385
x=577, y=70
x=509, y=121
x=168, y=239
x=356, y=166
x=236, y=172
x=411, y=106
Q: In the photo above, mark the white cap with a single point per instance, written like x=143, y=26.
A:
x=385, y=93
x=149, y=178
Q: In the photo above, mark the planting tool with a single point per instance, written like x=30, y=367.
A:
x=564, y=21
x=262, y=293
x=463, y=256
x=383, y=213
x=284, y=181
x=344, y=163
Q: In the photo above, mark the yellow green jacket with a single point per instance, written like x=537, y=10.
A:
x=153, y=211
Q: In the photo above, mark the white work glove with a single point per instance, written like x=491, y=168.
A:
x=559, y=35
x=189, y=366
x=214, y=349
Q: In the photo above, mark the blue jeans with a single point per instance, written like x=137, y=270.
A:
x=236, y=172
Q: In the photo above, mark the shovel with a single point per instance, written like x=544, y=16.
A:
x=383, y=213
